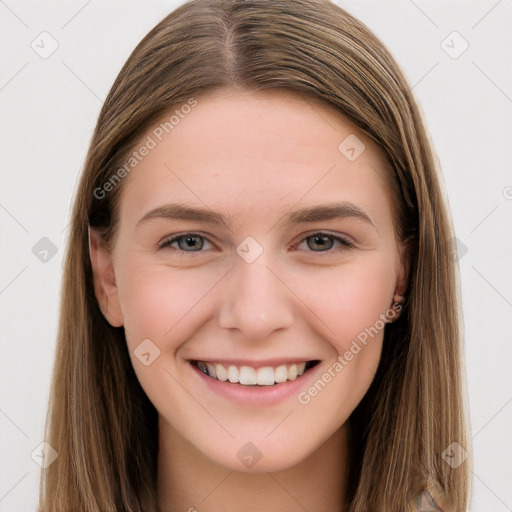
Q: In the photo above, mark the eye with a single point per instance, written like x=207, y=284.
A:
x=323, y=242
x=186, y=241
x=193, y=242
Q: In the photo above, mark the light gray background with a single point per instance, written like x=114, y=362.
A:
x=48, y=111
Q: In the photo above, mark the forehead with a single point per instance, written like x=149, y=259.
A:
x=245, y=153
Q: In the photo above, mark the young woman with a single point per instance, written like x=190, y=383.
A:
x=260, y=307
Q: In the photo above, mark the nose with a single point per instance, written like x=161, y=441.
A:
x=256, y=300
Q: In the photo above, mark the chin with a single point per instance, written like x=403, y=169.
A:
x=260, y=456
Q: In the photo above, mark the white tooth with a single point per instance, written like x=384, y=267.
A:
x=211, y=370
x=281, y=373
x=247, y=376
x=233, y=374
x=266, y=376
x=292, y=372
x=221, y=372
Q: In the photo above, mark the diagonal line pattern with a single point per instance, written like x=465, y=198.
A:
x=493, y=287
x=301, y=300
x=286, y=491
x=11, y=489
x=13, y=279
x=282, y=421
x=13, y=13
x=492, y=418
x=65, y=227
x=424, y=14
x=76, y=14
x=486, y=14
x=14, y=423
x=199, y=403
x=15, y=75
x=81, y=81
x=216, y=487
x=499, y=1
x=14, y=218
x=492, y=81
x=492, y=491
x=167, y=166
x=424, y=76
x=302, y=197
x=198, y=301
x=313, y=106
x=488, y=215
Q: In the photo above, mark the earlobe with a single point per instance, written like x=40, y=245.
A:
x=105, y=287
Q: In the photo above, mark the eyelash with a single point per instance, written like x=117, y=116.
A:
x=166, y=243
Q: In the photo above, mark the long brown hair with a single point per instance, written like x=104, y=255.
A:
x=100, y=421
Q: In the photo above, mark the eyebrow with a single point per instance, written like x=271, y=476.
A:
x=316, y=213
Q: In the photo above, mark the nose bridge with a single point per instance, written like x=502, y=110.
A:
x=256, y=302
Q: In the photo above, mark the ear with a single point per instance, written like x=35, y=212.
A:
x=105, y=287
x=403, y=267
x=402, y=276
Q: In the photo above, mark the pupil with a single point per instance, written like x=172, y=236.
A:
x=190, y=241
x=320, y=240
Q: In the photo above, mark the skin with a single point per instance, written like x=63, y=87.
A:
x=255, y=157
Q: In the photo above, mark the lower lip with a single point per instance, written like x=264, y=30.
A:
x=257, y=395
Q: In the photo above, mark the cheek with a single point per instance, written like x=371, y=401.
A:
x=158, y=300
x=350, y=299
x=351, y=303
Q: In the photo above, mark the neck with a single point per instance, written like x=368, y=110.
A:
x=189, y=481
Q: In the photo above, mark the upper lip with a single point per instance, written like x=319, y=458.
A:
x=252, y=363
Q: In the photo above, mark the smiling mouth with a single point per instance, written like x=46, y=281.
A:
x=249, y=376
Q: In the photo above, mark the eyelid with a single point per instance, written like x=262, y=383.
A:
x=344, y=240
x=166, y=241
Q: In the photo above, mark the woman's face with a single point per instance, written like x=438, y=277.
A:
x=280, y=282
